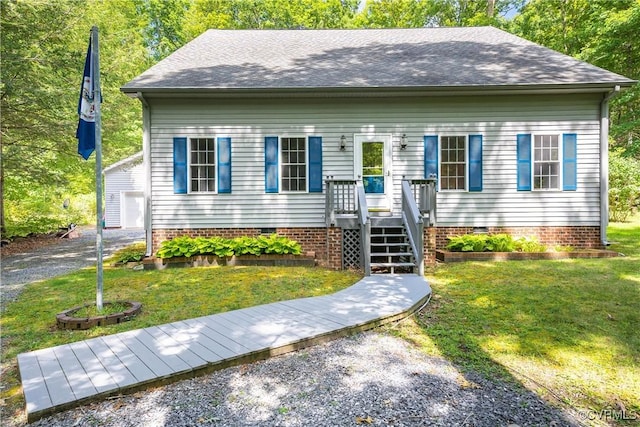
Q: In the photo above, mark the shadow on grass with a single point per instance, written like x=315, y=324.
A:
x=567, y=329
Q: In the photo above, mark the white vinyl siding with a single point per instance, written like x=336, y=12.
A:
x=498, y=118
x=120, y=185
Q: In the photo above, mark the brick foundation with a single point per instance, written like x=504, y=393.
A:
x=578, y=237
x=324, y=244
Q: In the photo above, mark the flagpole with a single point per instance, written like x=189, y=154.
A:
x=97, y=96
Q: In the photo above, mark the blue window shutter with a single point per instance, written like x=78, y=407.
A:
x=569, y=162
x=524, y=161
x=475, y=162
x=271, y=164
x=431, y=156
x=224, y=165
x=315, y=164
x=180, y=165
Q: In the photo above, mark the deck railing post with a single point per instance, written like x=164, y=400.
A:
x=365, y=230
x=329, y=208
x=432, y=195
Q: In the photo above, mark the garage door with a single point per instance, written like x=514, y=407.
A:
x=133, y=210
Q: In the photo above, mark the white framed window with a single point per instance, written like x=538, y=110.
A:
x=546, y=162
x=453, y=162
x=293, y=164
x=202, y=165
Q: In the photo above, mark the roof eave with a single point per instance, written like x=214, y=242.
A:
x=241, y=92
x=131, y=159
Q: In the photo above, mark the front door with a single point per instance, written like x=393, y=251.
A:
x=372, y=166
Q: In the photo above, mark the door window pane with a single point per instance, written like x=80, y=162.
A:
x=373, y=167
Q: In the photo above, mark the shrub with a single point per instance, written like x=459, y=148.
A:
x=529, y=244
x=468, y=243
x=624, y=186
x=188, y=246
x=501, y=243
x=493, y=243
x=131, y=253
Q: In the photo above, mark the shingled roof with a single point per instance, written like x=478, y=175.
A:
x=426, y=58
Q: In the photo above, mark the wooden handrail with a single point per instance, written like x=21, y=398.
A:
x=365, y=229
x=412, y=218
x=424, y=193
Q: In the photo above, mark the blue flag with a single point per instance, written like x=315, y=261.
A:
x=86, y=132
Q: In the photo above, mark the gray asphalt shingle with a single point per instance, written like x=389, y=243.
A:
x=354, y=59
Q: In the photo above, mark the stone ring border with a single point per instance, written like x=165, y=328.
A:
x=65, y=320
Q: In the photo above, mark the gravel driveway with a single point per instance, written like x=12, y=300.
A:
x=369, y=379
x=51, y=261
x=372, y=378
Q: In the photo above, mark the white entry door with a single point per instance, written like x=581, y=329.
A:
x=373, y=167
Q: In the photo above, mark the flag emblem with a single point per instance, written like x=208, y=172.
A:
x=86, y=132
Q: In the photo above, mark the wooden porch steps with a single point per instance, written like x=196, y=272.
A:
x=390, y=248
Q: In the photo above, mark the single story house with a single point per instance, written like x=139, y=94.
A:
x=124, y=193
x=370, y=147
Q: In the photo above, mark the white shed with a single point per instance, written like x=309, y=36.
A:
x=124, y=193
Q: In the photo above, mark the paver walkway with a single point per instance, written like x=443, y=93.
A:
x=65, y=376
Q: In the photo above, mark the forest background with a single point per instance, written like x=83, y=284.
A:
x=43, y=46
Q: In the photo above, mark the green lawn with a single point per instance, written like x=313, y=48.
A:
x=566, y=329
x=167, y=296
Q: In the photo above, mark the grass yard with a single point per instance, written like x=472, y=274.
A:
x=167, y=296
x=566, y=329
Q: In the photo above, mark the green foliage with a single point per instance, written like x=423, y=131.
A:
x=132, y=253
x=529, y=244
x=624, y=186
x=501, y=243
x=468, y=243
x=493, y=243
x=266, y=14
x=601, y=32
x=41, y=211
x=185, y=246
x=43, y=49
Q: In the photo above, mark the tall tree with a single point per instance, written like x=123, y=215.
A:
x=602, y=32
x=435, y=13
x=43, y=49
x=267, y=14
x=163, y=25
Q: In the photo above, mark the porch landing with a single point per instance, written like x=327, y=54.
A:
x=62, y=377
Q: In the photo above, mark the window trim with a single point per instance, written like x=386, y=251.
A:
x=281, y=164
x=466, y=161
x=189, y=165
x=560, y=161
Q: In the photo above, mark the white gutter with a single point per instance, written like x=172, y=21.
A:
x=146, y=165
x=604, y=164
